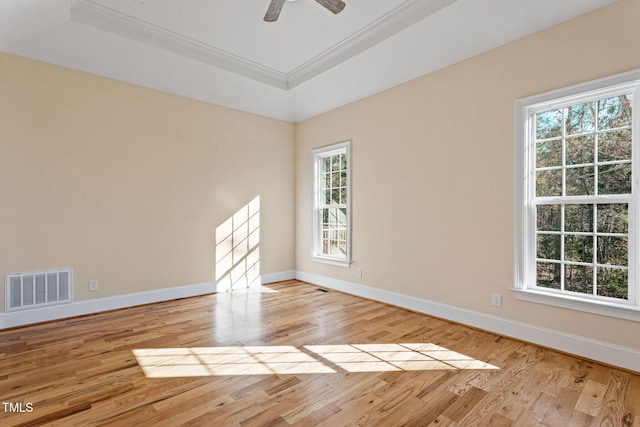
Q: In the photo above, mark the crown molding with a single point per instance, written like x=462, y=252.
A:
x=406, y=14
x=396, y=20
x=90, y=13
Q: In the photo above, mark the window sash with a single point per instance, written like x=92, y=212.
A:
x=593, y=261
x=592, y=287
x=527, y=201
x=331, y=193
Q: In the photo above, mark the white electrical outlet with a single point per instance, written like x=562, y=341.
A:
x=496, y=300
x=358, y=272
x=93, y=285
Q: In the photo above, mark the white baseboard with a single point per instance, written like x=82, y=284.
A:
x=79, y=308
x=611, y=354
x=277, y=277
x=624, y=357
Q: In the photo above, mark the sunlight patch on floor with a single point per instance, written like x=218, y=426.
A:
x=395, y=357
x=312, y=359
x=218, y=361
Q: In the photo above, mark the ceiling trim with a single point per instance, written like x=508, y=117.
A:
x=93, y=14
x=408, y=13
x=396, y=20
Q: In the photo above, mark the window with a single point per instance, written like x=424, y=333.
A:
x=576, y=194
x=331, y=204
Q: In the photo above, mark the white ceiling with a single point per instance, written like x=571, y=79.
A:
x=308, y=62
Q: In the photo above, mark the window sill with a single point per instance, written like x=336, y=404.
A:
x=581, y=304
x=331, y=261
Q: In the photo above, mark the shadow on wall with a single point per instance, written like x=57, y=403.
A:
x=238, y=249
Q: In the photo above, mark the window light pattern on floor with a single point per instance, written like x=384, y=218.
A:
x=311, y=359
x=395, y=357
x=216, y=361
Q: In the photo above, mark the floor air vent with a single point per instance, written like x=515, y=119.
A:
x=38, y=289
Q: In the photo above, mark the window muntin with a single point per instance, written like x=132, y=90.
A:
x=582, y=151
x=576, y=211
x=331, y=203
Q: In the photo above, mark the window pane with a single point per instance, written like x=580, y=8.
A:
x=580, y=118
x=549, y=153
x=578, y=278
x=548, y=246
x=613, y=218
x=333, y=220
x=335, y=179
x=549, y=124
x=341, y=249
x=548, y=275
x=578, y=218
x=580, y=150
x=580, y=181
x=578, y=248
x=613, y=283
x=614, y=112
x=326, y=164
x=342, y=216
x=334, y=234
x=548, y=217
x=613, y=250
x=325, y=180
x=614, y=145
x=326, y=197
x=335, y=196
x=549, y=183
x=335, y=162
x=614, y=179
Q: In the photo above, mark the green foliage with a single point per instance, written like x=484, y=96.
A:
x=613, y=283
x=572, y=143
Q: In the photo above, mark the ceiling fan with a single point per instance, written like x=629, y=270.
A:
x=275, y=8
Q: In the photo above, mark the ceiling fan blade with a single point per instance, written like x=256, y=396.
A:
x=274, y=10
x=334, y=6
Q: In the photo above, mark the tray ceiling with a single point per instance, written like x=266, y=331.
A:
x=308, y=62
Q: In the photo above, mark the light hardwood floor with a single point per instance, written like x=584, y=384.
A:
x=294, y=355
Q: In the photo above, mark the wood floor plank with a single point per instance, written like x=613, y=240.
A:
x=590, y=401
x=295, y=356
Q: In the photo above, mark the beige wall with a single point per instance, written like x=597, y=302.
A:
x=433, y=186
x=127, y=185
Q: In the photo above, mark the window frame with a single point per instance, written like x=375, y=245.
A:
x=317, y=156
x=525, y=198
